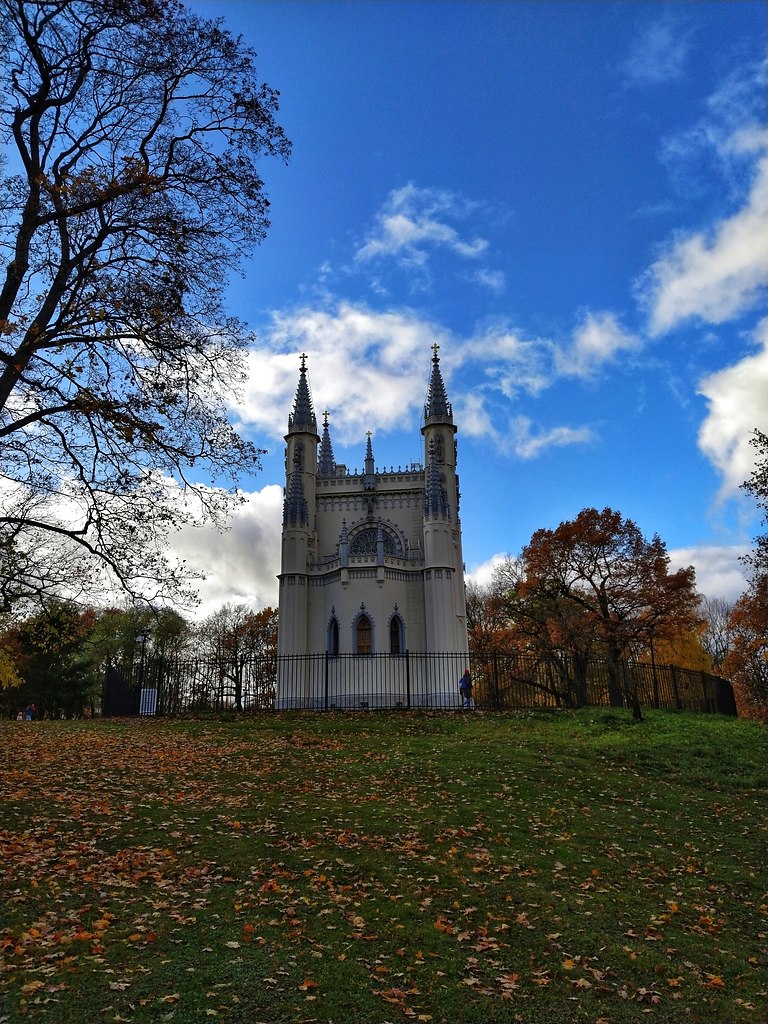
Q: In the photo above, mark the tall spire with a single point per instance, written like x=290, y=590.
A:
x=302, y=419
x=326, y=463
x=437, y=407
x=369, y=476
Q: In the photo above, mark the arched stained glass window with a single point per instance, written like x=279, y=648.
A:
x=363, y=635
x=364, y=542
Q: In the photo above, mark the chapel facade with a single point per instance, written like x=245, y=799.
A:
x=371, y=559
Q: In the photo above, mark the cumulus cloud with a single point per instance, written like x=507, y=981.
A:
x=511, y=362
x=369, y=368
x=737, y=400
x=415, y=220
x=714, y=275
x=718, y=272
x=494, y=280
x=528, y=443
x=658, y=53
x=370, y=372
x=599, y=339
x=240, y=564
x=414, y=225
x=482, y=574
x=719, y=573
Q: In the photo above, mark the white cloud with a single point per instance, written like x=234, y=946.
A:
x=414, y=221
x=494, y=280
x=599, y=339
x=529, y=444
x=719, y=573
x=512, y=435
x=482, y=574
x=719, y=272
x=511, y=363
x=658, y=53
x=714, y=275
x=737, y=399
x=475, y=418
x=367, y=368
x=240, y=564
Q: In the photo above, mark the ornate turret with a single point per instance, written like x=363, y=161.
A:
x=295, y=508
x=437, y=408
x=443, y=565
x=369, y=476
x=299, y=517
x=326, y=464
x=302, y=420
x=435, y=497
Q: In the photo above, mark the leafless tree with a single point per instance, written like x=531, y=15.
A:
x=133, y=130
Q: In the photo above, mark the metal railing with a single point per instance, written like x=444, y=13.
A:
x=322, y=682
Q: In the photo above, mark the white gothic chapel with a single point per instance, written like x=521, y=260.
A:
x=371, y=561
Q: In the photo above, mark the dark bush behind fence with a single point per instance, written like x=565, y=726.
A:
x=502, y=682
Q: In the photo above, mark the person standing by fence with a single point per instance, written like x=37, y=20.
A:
x=465, y=689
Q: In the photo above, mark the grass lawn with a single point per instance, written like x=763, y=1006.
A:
x=542, y=869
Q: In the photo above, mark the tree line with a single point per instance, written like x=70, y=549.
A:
x=595, y=589
x=58, y=657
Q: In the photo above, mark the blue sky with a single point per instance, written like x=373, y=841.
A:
x=572, y=200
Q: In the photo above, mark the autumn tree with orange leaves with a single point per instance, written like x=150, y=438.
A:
x=595, y=587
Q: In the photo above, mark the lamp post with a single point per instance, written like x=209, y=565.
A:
x=141, y=639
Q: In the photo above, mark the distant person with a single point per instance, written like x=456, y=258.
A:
x=29, y=714
x=20, y=716
x=465, y=689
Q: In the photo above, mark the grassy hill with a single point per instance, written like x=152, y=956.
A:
x=544, y=869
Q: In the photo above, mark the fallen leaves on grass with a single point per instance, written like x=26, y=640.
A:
x=250, y=849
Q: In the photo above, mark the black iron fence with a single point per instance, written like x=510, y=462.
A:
x=501, y=681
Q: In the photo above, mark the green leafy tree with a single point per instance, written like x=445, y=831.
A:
x=122, y=635
x=54, y=657
x=134, y=130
